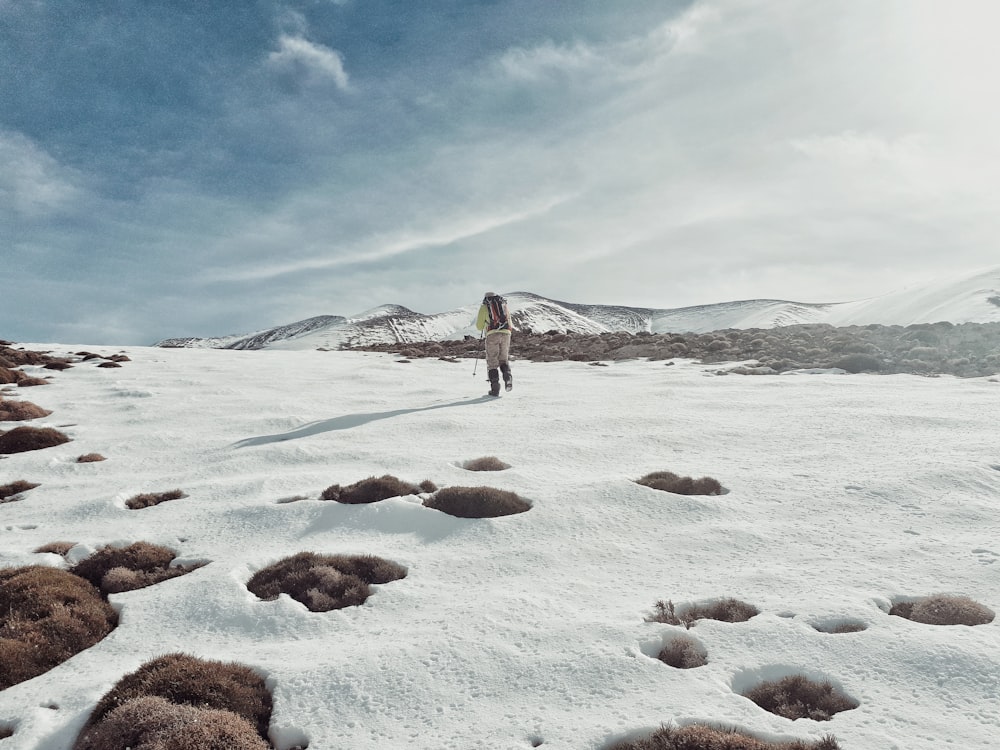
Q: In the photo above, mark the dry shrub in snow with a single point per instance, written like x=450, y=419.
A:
x=10, y=492
x=667, y=481
x=154, y=723
x=89, y=458
x=839, y=628
x=184, y=680
x=477, y=502
x=373, y=489
x=56, y=548
x=798, y=697
x=6, y=731
x=486, y=463
x=683, y=652
x=23, y=439
x=117, y=569
x=724, y=610
x=46, y=616
x=20, y=411
x=944, y=609
x=149, y=499
x=701, y=737
x=324, y=582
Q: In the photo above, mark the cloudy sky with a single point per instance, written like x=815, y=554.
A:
x=181, y=167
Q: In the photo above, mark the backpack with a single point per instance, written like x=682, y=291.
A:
x=496, y=313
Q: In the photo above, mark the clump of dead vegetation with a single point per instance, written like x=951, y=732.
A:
x=374, y=489
x=89, y=458
x=798, y=697
x=47, y=615
x=723, y=610
x=20, y=411
x=182, y=702
x=702, y=737
x=56, y=548
x=24, y=439
x=485, y=463
x=149, y=499
x=117, y=569
x=683, y=652
x=324, y=582
x=10, y=492
x=477, y=502
x=667, y=481
x=944, y=609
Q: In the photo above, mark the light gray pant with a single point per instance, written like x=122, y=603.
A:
x=497, y=349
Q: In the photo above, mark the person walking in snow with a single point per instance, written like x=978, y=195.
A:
x=494, y=318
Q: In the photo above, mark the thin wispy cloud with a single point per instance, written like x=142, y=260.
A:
x=295, y=54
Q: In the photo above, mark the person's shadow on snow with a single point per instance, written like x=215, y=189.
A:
x=347, y=422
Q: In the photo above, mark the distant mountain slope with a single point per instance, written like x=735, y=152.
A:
x=969, y=299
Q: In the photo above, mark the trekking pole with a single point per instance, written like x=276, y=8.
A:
x=475, y=366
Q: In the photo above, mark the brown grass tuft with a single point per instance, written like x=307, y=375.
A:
x=117, y=569
x=374, y=489
x=9, y=492
x=324, y=582
x=188, y=681
x=46, y=616
x=683, y=652
x=23, y=439
x=6, y=731
x=798, y=697
x=667, y=481
x=149, y=499
x=944, y=609
x=27, y=382
x=89, y=458
x=477, y=502
x=701, y=737
x=724, y=610
x=486, y=463
x=56, y=548
x=21, y=411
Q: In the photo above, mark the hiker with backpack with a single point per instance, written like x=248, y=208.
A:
x=494, y=319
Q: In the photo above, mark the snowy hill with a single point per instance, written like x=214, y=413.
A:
x=968, y=299
x=847, y=498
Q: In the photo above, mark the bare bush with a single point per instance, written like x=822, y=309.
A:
x=47, y=615
x=683, y=652
x=56, y=548
x=117, y=569
x=155, y=723
x=89, y=458
x=486, y=463
x=23, y=439
x=188, y=681
x=944, y=609
x=149, y=499
x=477, y=502
x=842, y=627
x=723, y=610
x=667, y=481
x=324, y=582
x=702, y=737
x=9, y=492
x=798, y=697
x=374, y=489
x=21, y=411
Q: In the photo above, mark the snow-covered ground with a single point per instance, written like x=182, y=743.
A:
x=844, y=493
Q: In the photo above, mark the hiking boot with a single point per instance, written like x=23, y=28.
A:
x=494, y=382
x=508, y=379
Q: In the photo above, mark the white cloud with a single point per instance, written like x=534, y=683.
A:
x=32, y=182
x=319, y=61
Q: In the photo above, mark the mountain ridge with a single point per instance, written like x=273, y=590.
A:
x=972, y=298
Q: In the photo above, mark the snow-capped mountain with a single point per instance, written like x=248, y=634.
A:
x=969, y=299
